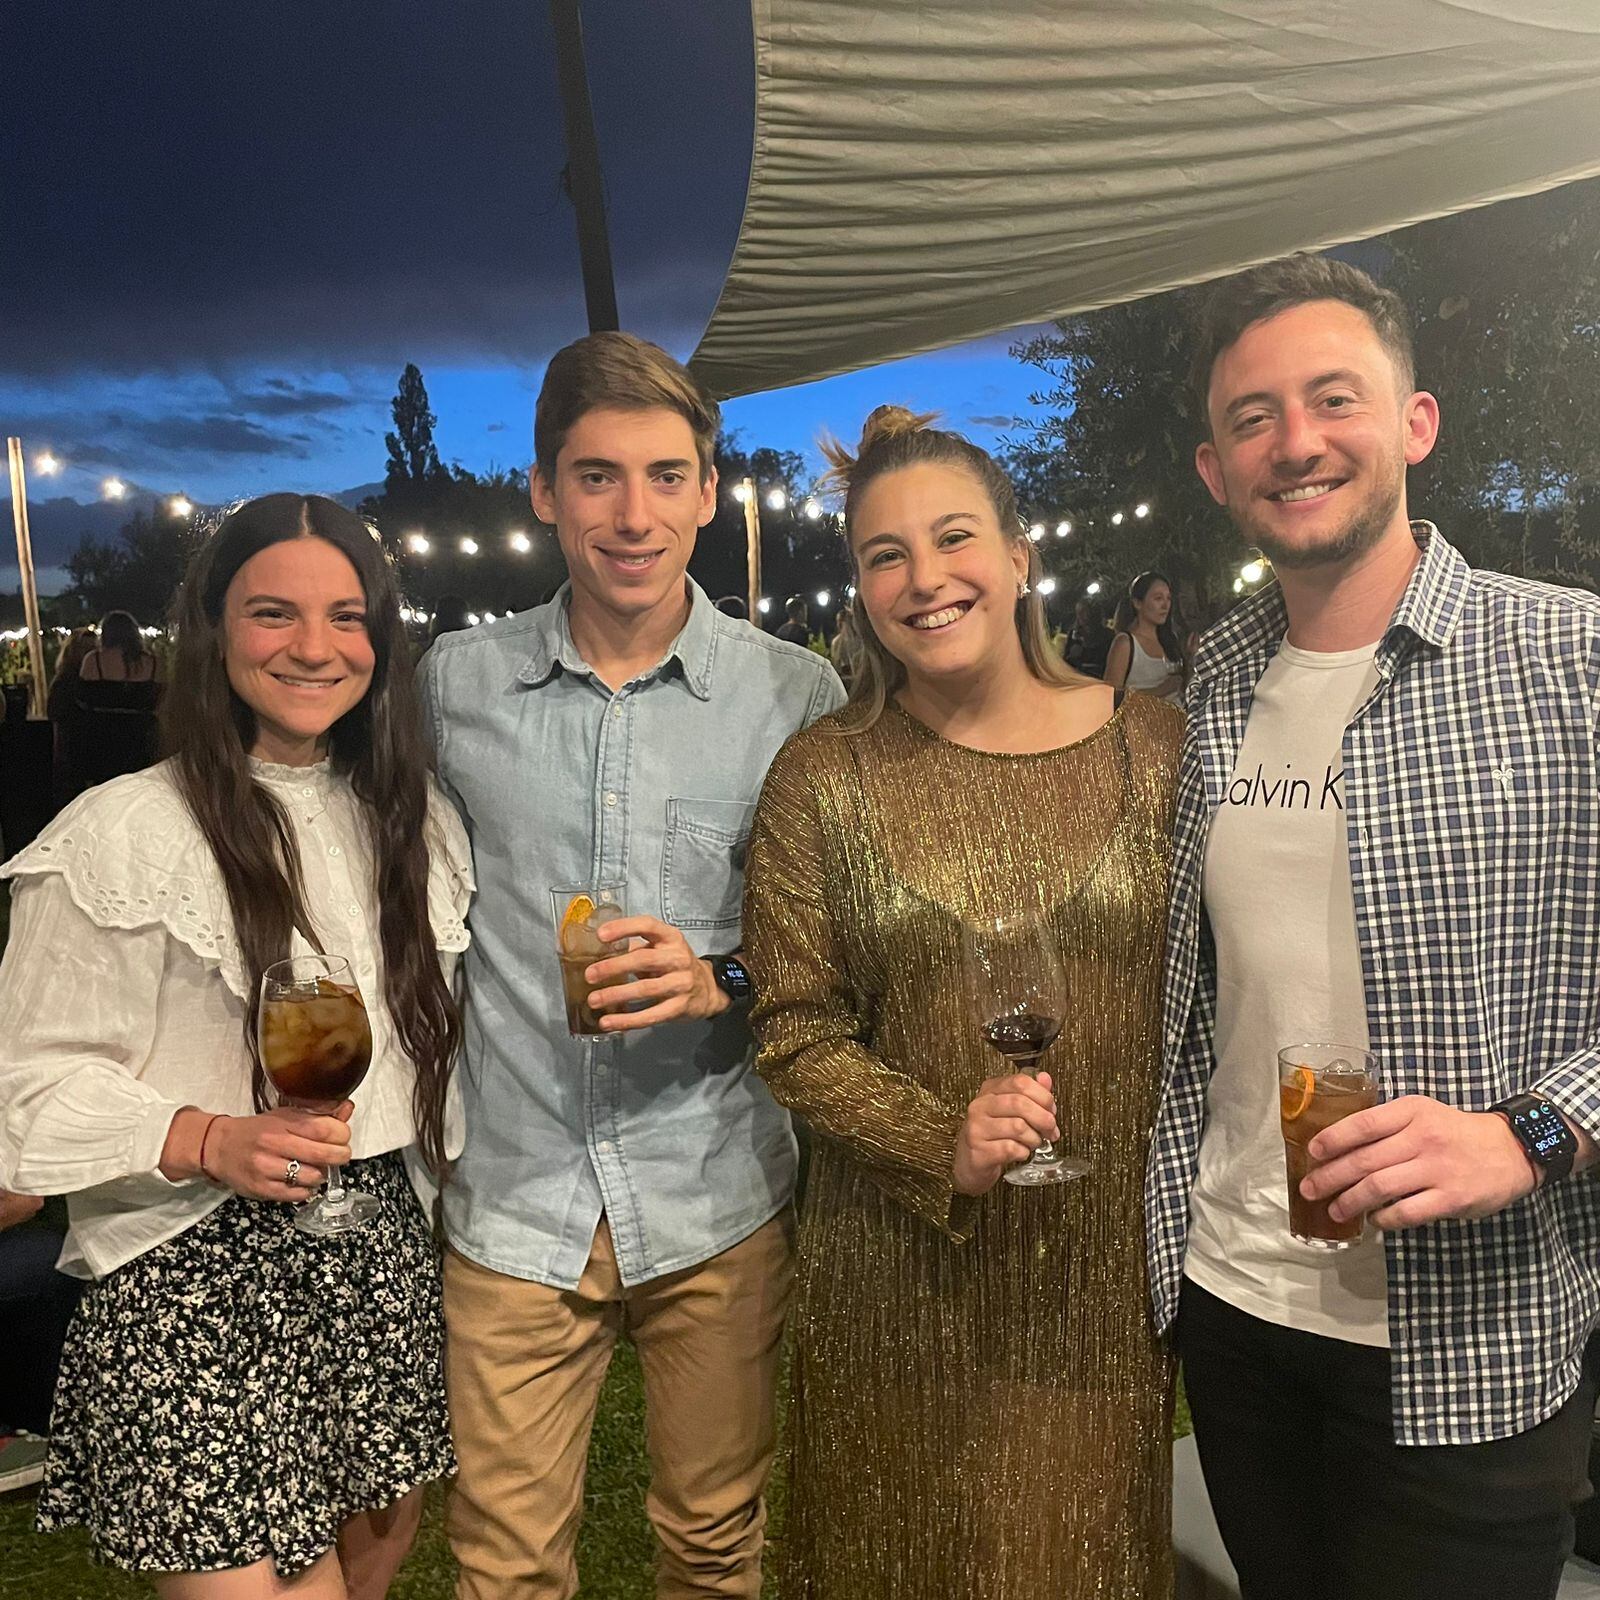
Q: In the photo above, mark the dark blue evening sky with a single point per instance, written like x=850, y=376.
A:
x=228, y=228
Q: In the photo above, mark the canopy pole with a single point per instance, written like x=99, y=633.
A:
x=30, y=593
x=752, y=545
x=583, y=169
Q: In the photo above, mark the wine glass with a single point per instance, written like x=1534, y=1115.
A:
x=1017, y=992
x=316, y=1045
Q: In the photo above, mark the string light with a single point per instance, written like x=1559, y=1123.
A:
x=417, y=544
x=1063, y=529
x=813, y=509
x=46, y=464
x=1141, y=510
x=776, y=500
x=1046, y=586
x=1116, y=519
x=741, y=493
x=180, y=505
x=113, y=488
x=1036, y=532
x=763, y=605
x=469, y=547
x=520, y=542
x=824, y=598
x=1252, y=572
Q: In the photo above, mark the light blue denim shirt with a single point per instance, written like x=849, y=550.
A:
x=668, y=1131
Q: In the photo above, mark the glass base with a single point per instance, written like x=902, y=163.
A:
x=1054, y=1169
x=321, y=1222
x=1324, y=1244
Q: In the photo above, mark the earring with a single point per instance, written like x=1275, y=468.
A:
x=1024, y=589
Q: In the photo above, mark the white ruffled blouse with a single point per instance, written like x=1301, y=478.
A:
x=123, y=996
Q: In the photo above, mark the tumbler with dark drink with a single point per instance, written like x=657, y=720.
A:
x=1017, y=991
x=316, y=1044
x=1319, y=1085
x=578, y=915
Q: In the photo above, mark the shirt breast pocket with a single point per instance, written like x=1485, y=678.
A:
x=702, y=866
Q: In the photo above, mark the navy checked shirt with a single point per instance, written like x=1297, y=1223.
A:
x=1472, y=817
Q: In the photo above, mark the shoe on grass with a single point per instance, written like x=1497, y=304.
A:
x=21, y=1460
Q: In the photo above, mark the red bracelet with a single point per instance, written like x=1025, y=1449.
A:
x=216, y=1118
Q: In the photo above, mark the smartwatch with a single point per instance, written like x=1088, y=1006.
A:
x=1542, y=1132
x=732, y=978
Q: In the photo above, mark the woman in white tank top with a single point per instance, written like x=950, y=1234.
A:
x=1146, y=654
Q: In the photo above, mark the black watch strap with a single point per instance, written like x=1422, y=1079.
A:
x=1542, y=1132
x=732, y=977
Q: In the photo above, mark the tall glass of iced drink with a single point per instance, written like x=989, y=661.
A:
x=1318, y=1085
x=578, y=914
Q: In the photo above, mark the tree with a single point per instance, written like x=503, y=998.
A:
x=799, y=554
x=1506, y=307
x=1505, y=302
x=1118, y=432
x=140, y=572
x=413, y=460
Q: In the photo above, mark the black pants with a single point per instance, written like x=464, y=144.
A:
x=1316, y=1501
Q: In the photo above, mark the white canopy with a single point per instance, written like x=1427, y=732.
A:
x=925, y=173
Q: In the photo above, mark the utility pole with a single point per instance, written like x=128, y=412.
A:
x=584, y=178
x=30, y=592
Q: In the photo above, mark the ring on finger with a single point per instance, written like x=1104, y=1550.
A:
x=291, y=1173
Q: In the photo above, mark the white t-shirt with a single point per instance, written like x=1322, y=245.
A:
x=1277, y=891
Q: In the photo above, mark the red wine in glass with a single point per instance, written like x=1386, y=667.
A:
x=1017, y=993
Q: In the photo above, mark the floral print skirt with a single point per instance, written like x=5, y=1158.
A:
x=238, y=1392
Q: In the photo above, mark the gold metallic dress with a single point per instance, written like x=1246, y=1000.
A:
x=980, y=1409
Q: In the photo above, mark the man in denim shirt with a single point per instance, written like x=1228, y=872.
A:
x=637, y=1182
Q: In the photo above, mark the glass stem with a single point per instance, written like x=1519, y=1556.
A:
x=1045, y=1151
x=334, y=1198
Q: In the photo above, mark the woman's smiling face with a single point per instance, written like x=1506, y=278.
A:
x=936, y=574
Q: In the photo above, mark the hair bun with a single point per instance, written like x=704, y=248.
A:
x=888, y=422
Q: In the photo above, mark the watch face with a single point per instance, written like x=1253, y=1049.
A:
x=733, y=977
x=1545, y=1131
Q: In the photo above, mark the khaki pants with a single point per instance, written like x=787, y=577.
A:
x=525, y=1362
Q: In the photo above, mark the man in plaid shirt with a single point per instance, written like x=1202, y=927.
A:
x=1388, y=836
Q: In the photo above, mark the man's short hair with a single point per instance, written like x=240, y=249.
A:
x=621, y=372
x=1249, y=297
x=795, y=607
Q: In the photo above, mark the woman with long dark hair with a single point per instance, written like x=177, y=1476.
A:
x=1147, y=653
x=245, y=1410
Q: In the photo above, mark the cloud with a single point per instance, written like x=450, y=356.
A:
x=280, y=398
x=495, y=427
x=1006, y=420
x=215, y=435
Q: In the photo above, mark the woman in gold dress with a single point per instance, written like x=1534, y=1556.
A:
x=980, y=1409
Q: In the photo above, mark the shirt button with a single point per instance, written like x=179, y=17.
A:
x=605, y=1147
x=616, y=711
x=611, y=798
x=308, y=793
x=353, y=911
x=334, y=850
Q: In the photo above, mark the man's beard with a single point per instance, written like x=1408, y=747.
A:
x=1366, y=525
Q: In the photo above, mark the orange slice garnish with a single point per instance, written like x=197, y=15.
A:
x=579, y=909
x=1295, y=1092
